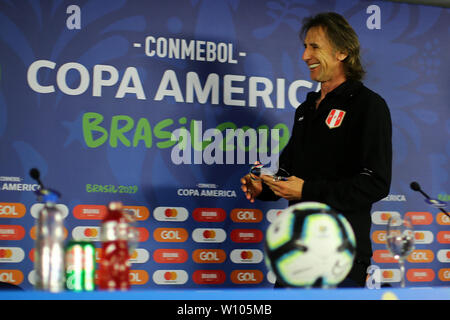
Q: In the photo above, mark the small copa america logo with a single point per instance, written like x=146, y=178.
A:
x=335, y=118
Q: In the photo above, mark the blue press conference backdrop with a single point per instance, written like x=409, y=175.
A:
x=164, y=105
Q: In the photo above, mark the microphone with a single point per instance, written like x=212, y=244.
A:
x=35, y=174
x=434, y=202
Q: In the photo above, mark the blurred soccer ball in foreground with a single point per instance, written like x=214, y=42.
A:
x=310, y=245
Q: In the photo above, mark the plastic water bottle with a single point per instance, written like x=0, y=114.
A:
x=49, y=244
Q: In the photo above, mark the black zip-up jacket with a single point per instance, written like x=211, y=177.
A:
x=344, y=160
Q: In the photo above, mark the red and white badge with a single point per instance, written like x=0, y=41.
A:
x=335, y=118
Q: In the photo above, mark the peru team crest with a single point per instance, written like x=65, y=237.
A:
x=335, y=118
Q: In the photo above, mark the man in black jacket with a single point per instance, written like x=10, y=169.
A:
x=340, y=150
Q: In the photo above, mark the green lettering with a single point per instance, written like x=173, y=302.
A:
x=162, y=134
x=91, y=121
x=143, y=132
x=117, y=133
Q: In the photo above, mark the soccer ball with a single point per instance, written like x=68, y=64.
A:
x=310, y=245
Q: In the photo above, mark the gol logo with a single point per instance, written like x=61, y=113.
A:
x=209, y=256
x=209, y=214
x=11, y=276
x=170, y=235
x=11, y=232
x=420, y=218
x=138, y=277
x=246, y=215
x=442, y=219
x=12, y=210
x=139, y=213
x=379, y=236
x=444, y=274
x=170, y=256
x=421, y=256
x=246, y=276
x=209, y=276
x=420, y=275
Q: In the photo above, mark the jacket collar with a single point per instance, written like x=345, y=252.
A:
x=340, y=94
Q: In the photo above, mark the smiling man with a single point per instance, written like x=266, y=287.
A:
x=340, y=151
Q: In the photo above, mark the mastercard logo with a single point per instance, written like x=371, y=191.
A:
x=206, y=235
x=11, y=254
x=37, y=207
x=443, y=255
x=88, y=233
x=246, y=256
x=175, y=214
x=12, y=210
x=170, y=277
x=423, y=237
x=382, y=217
x=272, y=214
x=139, y=255
x=390, y=275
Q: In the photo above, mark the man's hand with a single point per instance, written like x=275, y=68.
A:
x=252, y=187
x=291, y=189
